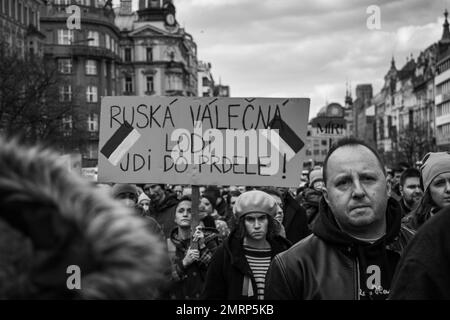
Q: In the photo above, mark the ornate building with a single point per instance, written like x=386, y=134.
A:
x=412, y=104
x=205, y=80
x=442, y=87
x=89, y=59
x=159, y=57
x=20, y=26
x=328, y=126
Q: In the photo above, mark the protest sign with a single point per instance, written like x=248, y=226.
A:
x=187, y=140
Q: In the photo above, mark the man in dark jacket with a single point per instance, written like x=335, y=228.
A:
x=356, y=241
x=162, y=206
x=295, y=220
x=423, y=270
x=238, y=268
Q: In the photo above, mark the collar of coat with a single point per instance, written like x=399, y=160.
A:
x=234, y=248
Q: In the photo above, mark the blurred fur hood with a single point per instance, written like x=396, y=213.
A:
x=51, y=219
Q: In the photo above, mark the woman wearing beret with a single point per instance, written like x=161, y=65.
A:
x=435, y=174
x=238, y=268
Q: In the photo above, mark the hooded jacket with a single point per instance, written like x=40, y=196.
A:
x=164, y=213
x=295, y=220
x=56, y=227
x=330, y=264
x=229, y=275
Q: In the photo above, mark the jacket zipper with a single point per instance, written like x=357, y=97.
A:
x=357, y=284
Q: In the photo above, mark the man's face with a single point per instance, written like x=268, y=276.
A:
x=256, y=225
x=183, y=214
x=205, y=207
x=145, y=204
x=128, y=198
x=411, y=191
x=233, y=201
x=178, y=191
x=356, y=188
x=397, y=176
x=155, y=192
x=440, y=190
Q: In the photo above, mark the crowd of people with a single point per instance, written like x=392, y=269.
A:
x=353, y=230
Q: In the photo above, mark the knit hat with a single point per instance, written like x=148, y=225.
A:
x=120, y=188
x=434, y=163
x=142, y=197
x=315, y=175
x=255, y=201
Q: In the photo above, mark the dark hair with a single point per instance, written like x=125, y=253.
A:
x=185, y=198
x=273, y=228
x=210, y=199
x=349, y=141
x=234, y=193
x=422, y=212
x=409, y=173
x=213, y=190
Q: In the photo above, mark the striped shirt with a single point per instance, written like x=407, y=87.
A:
x=259, y=262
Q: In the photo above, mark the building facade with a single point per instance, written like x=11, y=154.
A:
x=159, y=57
x=20, y=26
x=205, y=80
x=88, y=58
x=328, y=126
x=442, y=87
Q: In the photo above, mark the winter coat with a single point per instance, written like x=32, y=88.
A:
x=330, y=264
x=295, y=220
x=426, y=261
x=164, y=213
x=229, y=275
x=188, y=282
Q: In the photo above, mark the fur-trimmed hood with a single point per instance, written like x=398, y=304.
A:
x=53, y=219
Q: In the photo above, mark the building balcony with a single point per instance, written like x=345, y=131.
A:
x=80, y=51
x=93, y=135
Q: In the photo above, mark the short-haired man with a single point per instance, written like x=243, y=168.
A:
x=162, y=206
x=357, y=239
x=410, y=190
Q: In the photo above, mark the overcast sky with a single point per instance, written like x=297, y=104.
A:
x=307, y=48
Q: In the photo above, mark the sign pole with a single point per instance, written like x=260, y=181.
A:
x=195, y=212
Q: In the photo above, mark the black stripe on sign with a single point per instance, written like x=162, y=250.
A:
x=287, y=134
x=116, y=139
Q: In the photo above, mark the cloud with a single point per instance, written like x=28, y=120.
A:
x=306, y=48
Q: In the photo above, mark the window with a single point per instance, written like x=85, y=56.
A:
x=149, y=84
x=91, y=94
x=27, y=16
x=20, y=12
x=65, y=36
x=91, y=67
x=127, y=54
x=128, y=84
x=149, y=54
x=113, y=72
x=14, y=7
x=107, y=41
x=316, y=152
x=93, y=122
x=65, y=93
x=94, y=36
x=65, y=65
x=324, y=142
x=205, y=81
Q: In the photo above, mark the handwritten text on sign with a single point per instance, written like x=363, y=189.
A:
x=181, y=140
